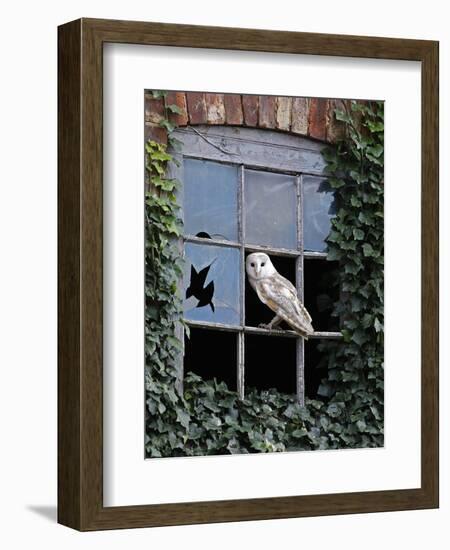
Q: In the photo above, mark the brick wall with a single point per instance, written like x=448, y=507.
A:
x=310, y=117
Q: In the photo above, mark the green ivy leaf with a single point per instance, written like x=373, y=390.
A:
x=183, y=418
x=358, y=234
x=378, y=326
x=175, y=144
x=376, y=150
x=324, y=390
x=158, y=94
x=175, y=109
x=342, y=116
x=376, y=126
x=360, y=337
x=169, y=126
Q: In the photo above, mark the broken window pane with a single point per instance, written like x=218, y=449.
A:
x=212, y=284
x=321, y=291
x=270, y=362
x=201, y=357
x=255, y=311
x=270, y=209
x=318, y=209
x=210, y=199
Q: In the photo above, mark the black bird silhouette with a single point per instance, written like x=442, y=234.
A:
x=196, y=287
x=204, y=235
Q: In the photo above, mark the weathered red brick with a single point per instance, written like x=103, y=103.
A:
x=154, y=109
x=317, y=121
x=155, y=132
x=250, y=105
x=196, y=107
x=267, y=111
x=215, y=109
x=284, y=108
x=178, y=99
x=233, y=109
x=299, y=117
x=335, y=128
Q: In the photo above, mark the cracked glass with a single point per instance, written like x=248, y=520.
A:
x=212, y=284
x=210, y=199
x=270, y=202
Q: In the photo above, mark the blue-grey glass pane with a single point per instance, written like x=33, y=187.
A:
x=318, y=210
x=210, y=199
x=212, y=284
x=270, y=209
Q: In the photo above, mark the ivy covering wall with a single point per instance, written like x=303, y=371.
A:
x=208, y=418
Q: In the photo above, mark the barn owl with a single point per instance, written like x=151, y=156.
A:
x=277, y=293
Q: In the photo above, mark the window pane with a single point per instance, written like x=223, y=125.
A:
x=201, y=356
x=318, y=209
x=255, y=311
x=321, y=291
x=270, y=362
x=212, y=284
x=270, y=209
x=210, y=199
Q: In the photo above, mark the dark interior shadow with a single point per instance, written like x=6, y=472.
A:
x=47, y=512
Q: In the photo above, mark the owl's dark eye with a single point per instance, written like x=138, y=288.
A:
x=252, y=264
x=262, y=265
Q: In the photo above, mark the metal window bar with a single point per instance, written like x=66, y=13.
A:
x=259, y=330
x=240, y=336
x=250, y=166
x=299, y=283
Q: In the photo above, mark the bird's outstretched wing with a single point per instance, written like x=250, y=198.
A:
x=281, y=296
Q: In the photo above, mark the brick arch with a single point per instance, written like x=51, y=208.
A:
x=310, y=117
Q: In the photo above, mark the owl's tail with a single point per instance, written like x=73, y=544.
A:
x=304, y=329
x=301, y=321
x=303, y=333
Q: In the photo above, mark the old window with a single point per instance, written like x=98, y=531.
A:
x=243, y=191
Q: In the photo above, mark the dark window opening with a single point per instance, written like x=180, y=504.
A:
x=255, y=311
x=321, y=292
x=315, y=369
x=270, y=362
x=212, y=354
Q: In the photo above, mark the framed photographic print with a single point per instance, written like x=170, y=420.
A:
x=248, y=267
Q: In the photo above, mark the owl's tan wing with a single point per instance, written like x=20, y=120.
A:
x=281, y=296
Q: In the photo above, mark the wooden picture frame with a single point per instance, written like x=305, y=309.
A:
x=80, y=272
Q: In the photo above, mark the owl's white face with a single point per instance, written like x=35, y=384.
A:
x=259, y=266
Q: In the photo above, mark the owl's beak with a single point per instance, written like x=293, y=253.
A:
x=258, y=270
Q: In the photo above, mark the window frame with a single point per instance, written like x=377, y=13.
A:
x=262, y=150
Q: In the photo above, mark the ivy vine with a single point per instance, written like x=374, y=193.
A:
x=355, y=368
x=208, y=418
